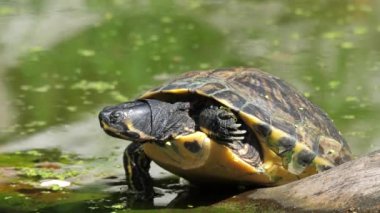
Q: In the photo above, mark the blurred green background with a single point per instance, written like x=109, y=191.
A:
x=62, y=61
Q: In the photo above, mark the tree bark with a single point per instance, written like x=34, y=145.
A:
x=353, y=186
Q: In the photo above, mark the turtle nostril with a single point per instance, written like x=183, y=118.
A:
x=105, y=114
x=102, y=116
x=103, y=119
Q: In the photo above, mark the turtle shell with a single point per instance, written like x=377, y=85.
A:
x=293, y=132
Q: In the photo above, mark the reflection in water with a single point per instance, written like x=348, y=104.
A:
x=73, y=138
x=6, y=110
x=24, y=28
x=183, y=197
x=27, y=27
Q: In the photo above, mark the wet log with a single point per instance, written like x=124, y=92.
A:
x=351, y=187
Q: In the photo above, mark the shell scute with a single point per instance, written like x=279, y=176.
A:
x=210, y=88
x=260, y=113
x=236, y=100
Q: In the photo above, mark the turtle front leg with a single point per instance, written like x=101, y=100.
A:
x=221, y=124
x=137, y=165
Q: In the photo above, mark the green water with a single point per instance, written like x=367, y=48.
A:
x=60, y=63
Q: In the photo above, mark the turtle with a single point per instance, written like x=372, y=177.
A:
x=236, y=126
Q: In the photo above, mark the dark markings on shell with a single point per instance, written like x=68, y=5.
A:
x=197, y=83
x=192, y=146
x=257, y=111
x=309, y=112
x=265, y=101
x=219, y=91
x=263, y=129
x=288, y=101
x=236, y=100
x=210, y=88
x=175, y=85
x=285, y=126
x=305, y=157
x=252, y=83
x=223, y=73
x=287, y=143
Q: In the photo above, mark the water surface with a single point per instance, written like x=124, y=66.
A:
x=61, y=63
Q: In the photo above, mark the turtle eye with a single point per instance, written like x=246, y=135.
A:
x=116, y=116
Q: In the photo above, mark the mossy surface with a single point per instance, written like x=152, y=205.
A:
x=61, y=62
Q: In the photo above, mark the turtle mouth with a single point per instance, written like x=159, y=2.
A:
x=120, y=132
x=111, y=129
x=130, y=136
x=113, y=134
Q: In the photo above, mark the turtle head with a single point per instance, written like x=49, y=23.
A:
x=130, y=120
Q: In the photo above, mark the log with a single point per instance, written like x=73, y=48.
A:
x=353, y=186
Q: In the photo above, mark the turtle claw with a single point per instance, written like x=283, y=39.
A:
x=235, y=134
x=221, y=124
x=231, y=133
x=233, y=138
x=238, y=132
x=235, y=126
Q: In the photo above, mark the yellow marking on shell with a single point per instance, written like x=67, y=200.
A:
x=294, y=167
x=150, y=94
x=273, y=167
x=299, y=147
x=273, y=163
x=177, y=91
x=174, y=152
x=213, y=162
x=201, y=93
x=318, y=162
x=225, y=102
x=205, y=130
x=332, y=152
x=276, y=135
x=332, y=149
x=321, y=162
